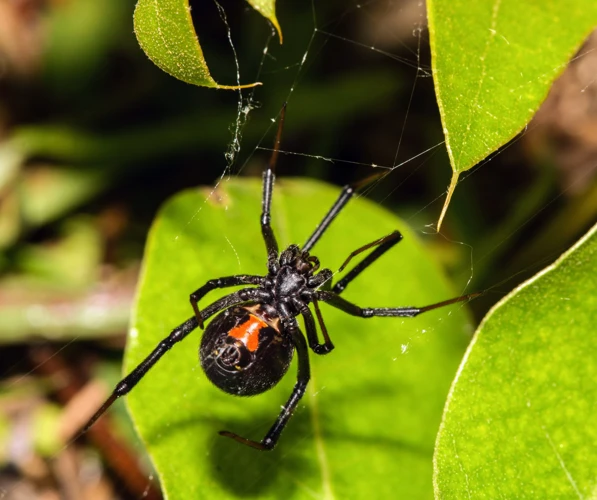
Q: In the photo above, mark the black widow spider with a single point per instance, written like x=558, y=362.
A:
x=248, y=347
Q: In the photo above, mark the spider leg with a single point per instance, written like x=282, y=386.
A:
x=179, y=333
x=304, y=374
x=241, y=279
x=383, y=245
x=269, y=177
x=271, y=245
x=338, y=302
x=324, y=330
x=314, y=344
x=346, y=194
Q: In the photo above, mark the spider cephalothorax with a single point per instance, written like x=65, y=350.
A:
x=293, y=281
x=249, y=345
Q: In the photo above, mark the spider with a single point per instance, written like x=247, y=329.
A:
x=248, y=347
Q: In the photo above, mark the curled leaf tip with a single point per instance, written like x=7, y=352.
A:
x=267, y=8
x=449, y=194
x=278, y=29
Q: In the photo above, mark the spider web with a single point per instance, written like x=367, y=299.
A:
x=400, y=160
x=405, y=37
x=396, y=37
x=327, y=37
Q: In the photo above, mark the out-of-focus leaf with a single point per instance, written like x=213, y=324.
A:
x=11, y=159
x=165, y=31
x=81, y=35
x=521, y=413
x=367, y=425
x=31, y=307
x=10, y=220
x=73, y=260
x=46, y=429
x=5, y=434
x=41, y=425
x=493, y=64
x=50, y=191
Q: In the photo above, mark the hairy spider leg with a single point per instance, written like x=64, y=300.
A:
x=179, y=333
x=290, y=326
x=382, y=244
x=338, y=302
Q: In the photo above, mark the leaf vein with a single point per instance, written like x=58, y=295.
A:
x=475, y=104
x=563, y=465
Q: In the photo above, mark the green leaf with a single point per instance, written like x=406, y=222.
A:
x=520, y=419
x=493, y=64
x=367, y=424
x=165, y=31
x=267, y=8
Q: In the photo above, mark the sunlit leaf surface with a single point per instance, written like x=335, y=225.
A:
x=367, y=425
x=493, y=64
x=520, y=421
x=165, y=31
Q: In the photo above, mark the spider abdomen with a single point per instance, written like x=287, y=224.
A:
x=244, y=354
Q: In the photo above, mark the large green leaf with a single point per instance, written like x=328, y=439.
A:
x=520, y=420
x=165, y=31
x=493, y=64
x=367, y=425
